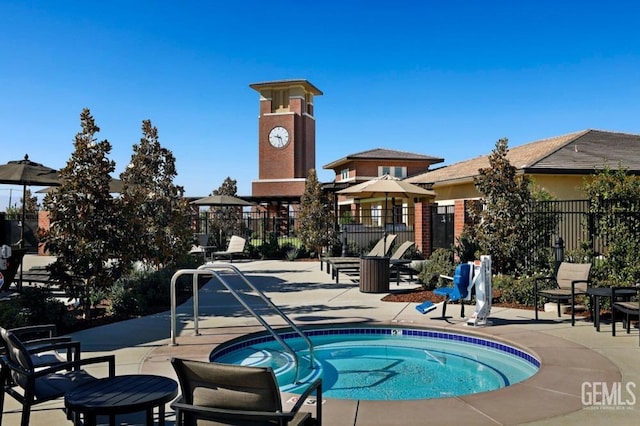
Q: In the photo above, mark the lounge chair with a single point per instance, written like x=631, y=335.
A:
x=335, y=264
x=31, y=385
x=460, y=291
x=382, y=248
x=571, y=280
x=628, y=308
x=235, y=248
x=225, y=394
x=353, y=266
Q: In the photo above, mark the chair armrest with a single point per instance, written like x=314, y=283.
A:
x=615, y=288
x=37, y=343
x=35, y=329
x=317, y=386
x=110, y=359
x=72, y=348
x=574, y=282
x=248, y=415
x=446, y=277
x=536, y=282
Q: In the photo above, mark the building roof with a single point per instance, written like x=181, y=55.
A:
x=286, y=83
x=382, y=154
x=574, y=153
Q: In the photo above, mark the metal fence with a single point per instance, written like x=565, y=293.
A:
x=264, y=228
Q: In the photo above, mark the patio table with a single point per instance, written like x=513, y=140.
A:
x=121, y=395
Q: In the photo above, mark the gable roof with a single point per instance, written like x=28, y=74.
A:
x=574, y=153
x=383, y=154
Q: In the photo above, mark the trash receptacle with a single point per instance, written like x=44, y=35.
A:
x=374, y=274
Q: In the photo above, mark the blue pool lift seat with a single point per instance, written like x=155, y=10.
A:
x=460, y=290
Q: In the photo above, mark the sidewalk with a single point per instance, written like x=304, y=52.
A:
x=570, y=356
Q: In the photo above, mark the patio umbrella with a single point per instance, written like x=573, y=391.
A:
x=386, y=186
x=27, y=173
x=221, y=200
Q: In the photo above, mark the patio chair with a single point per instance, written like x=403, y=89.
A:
x=235, y=247
x=381, y=249
x=571, y=280
x=225, y=394
x=396, y=261
x=628, y=308
x=31, y=385
x=35, y=337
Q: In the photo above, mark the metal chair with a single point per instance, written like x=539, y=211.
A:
x=627, y=307
x=571, y=280
x=224, y=394
x=31, y=384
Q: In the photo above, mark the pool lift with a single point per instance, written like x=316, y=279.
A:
x=467, y=276
x=212, y=269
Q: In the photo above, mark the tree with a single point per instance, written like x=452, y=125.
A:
x=502, y=221
x=158, y=229
x=614, y=197
x=225, y=221
x=83, y=220
x=315, y=225
x=30, y=207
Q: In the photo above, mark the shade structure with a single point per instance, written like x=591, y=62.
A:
x=386, y=186
x=27, y=173
x=221, y=200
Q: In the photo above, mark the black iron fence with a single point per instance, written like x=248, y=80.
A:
x=264, y=229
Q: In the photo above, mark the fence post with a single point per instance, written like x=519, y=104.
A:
x=558, y=249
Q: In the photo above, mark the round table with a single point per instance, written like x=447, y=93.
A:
x=120, y=395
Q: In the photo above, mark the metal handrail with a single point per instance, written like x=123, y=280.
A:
x=207, y=269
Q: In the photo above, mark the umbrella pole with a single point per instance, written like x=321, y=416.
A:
x=24, y=197
x=384, y=222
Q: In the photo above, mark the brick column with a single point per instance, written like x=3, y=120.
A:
x=459, y=218
x=422, y=227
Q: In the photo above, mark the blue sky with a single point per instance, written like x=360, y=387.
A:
x=440, y=78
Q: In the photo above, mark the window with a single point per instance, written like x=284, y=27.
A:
x=344, y=174
x=395, y=171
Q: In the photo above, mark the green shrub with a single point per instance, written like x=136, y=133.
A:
x=123, y=302
x=515, y=290
x=439, y=263
x=32, y=307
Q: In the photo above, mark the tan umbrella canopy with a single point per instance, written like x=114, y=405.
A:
x=27, y=173
x=386, y=186
x=221, y=200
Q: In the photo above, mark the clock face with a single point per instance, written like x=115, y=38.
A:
x=278, y=137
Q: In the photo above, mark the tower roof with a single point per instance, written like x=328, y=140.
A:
x=276, y=84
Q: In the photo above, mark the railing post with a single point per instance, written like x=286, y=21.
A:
x=558, y=250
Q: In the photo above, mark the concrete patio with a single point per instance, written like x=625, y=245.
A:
x=575, y=360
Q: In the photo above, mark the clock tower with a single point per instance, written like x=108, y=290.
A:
x=286, y=137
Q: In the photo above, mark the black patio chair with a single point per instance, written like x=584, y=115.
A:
x=627, y=307
x=224, y=394
x=31, y=385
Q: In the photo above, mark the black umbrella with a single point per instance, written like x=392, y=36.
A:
x=27, y=173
